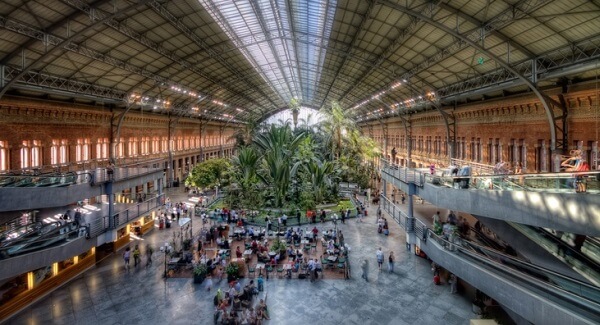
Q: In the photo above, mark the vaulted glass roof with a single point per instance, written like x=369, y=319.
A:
x=284, y=41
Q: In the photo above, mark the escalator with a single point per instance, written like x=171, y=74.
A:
x=575, y=258
x=537, y=294
x=44, y=236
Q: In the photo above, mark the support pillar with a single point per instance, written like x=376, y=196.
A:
x=411, y=237
x=594, y=156
x=108, y=189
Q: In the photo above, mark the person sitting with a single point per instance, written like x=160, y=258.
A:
x=330, y=247
x=262, y=306
x=238, y=252
x=254, y=246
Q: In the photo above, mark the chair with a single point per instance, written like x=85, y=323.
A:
x=341, y=260
x=341, y=267
x=251, y=272
x=269, y=270
x=280, y=272
x=313, y=247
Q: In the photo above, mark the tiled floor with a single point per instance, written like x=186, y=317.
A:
x=108, y=294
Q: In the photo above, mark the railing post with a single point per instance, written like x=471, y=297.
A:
x=410, y=235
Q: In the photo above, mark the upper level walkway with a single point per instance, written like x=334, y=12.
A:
x=527, y=289
x=543, y=200
x=95, y=221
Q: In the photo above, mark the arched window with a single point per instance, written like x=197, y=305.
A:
x=4, y=162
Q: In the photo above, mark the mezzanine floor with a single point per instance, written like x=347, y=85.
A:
x=107, y=294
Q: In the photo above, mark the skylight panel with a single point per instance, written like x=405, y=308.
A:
x=264, y=33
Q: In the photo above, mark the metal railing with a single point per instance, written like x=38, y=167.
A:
x=101, y=225
x=406, y=175
x=477, y=168
x=122, y=217
x=399, y=216
x=550, y=182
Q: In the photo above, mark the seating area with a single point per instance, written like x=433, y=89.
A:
x=275, y=256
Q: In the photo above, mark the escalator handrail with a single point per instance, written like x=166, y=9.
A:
x=533, y=266
x=590, y=263
x=559, y=292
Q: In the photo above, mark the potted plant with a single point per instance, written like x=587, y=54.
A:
x=232, y=271
x=200, y=272
x=279, y=246
x=187, y=244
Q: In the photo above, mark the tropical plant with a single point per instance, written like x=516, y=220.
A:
x=200, y=269
x=295, y=107
x=278, y=145
x=209, y=173
x=337, y=124
x=243, y=135
x=232, y=269
x=278, y=245
x=320, y=173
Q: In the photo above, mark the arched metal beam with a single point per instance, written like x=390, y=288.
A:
x=49, y=29
x=542, y=97
x=68, y=40
x=279, y=110
x=449, y=122
x=363, y=21
x=407, y=132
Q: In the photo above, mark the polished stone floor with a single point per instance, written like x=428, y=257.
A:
x=108, y=294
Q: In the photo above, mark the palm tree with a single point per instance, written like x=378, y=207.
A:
x=337, y=124
x=278, y=145
x=320, y=179
x=243, y=136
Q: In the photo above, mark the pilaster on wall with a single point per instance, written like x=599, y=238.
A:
x=513, y=129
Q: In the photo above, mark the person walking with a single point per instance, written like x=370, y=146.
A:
x=365, y=270
x=126, y=257
x=149, y=252
x=391, y=260
x=136, y=256
x=453, y=282
x=379, y=258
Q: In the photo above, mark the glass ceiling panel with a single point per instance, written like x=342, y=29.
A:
x=307, y=117
x=264, y=32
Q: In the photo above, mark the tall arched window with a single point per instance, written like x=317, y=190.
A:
x=4, y=162
x=82, y=150
x=102, y=148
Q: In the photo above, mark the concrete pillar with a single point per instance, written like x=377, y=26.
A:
x=544, y=157
x=594, y=163
x=145, y=185
x=108, y=189
x=411, y=238
x=133, y=193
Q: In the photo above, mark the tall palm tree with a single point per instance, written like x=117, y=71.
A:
x=337, y=124
x=243, y=135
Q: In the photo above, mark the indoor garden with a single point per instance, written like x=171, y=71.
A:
x=291, y=166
